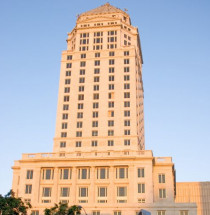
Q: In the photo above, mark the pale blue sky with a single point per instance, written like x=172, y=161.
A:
x=175, y=38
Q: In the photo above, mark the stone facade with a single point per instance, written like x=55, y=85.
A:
x=99, y=159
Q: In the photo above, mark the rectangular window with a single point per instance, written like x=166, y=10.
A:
x=66, y=98
x=111, y=54
x=126, y=86
x=95, y=124
x=126, y=122
x=79, y=124
x=121, y=172
x=162, y=193
x=127, y=132
x=111, y=62
x=64, y=192
x=96, y=212
x=111, y=70
x=97, y=71
x=126, y=113
x=67, y=81
x=65, y=173
x=110, y=113
x=78, y=144
x=162, y=213
x=81, y=97
x=97, y=62
x=94, y=133
x=95, y=105
x=68, y=65
x=84, y=173
x=126, y=77
x=82, y=72
x=126, y=53
x=111, y=123
x=94, y=143
x=126, y=69
x=69, y=57
x=126, y=104
x=95, y=114
x=110, y=142
x=161, y=178
x=103, y=173
x=110, y=132
x=96, y=96
x=29, y=174
x=63, y=134
x=96, y=87
x=183, y=212
x=28, y=189
x=65, y=107
x=111, y=104
x=80, y=106
x=127, y=142
x=79, y=115
x=111, y=78
x=102, y=194
x=111, y=86
x=78, y=133
x=121, y=194
x=141, y=172
x=83, y=194
x=126, y=95
x=96, y=79
x=46, y=191
x=81, y=88
x=83, y=55
x=82, y=64
x=141, y=188
x=111, y=95
x=65, y=116
x=62, y=144
x=81, y=80
x=117, y=213
x=47, y=174
x=67, y=90
x=126, y=61
x=64, y=125
x=34, y=212
x=68, y=73
x=97, y=54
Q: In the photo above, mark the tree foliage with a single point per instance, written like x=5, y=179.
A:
x=10, y=205
x=63, y=209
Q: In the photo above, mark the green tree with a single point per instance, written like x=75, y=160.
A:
x=10, y=205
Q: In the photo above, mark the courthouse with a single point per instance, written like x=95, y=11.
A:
x=99, y=159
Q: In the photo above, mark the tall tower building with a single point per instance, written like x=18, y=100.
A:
x=99, y=159
x=100, y=103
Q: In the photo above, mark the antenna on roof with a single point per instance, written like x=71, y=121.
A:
x=125, y=9
x=77, y=16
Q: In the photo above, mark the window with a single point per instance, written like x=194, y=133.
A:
x=162, y=193
x=121, y=194
x=162, y=213
x=69, y=57
x=126, y=77
x=96, y=212
x=28, y=189
x=111, y=86
x=126, y=53
x=117, y=213
x=78, y=133
x=66, y=98
x=47, y=174
x=111, y=54
x=141, y=188
x=110, y=142
x=34, y=212
x=83, y=194
x=84, y=173
x=65, y=173
x=111, y=78
x=126, y=86
x=111, y=70
x=121, y=172
x=65, y=116
x=67, y=81
x=97, y=54
x=96, y=87
x=141, y=172
x=95, y=96
x=161, y=178
x=29, y=174
x=78, y=144
x=96, y=71
x=111, y=62
x=126, y=61
x=96, y=79
x=126, y=95
x=82, y=64
x=103, y=173
x=79, y=115
x=95, y=124
x=79, y=124
x=83, y=55
x=126, y=113
x=95, y=114
x=82, y=72
x=126, y=104
x=127, y=132
x=111, y=123
x=65, y=107
x=183, y=212
x=63, y=134
x=110, y=132
x=94, y=143
x=81, y=88
x=126, y=69
x=67, y=90
x=95, y=105
x=111, y=95
x=68, y=73
x=97, y=62
x=68, y=65
x=81, y=97
x=111, y=104
x=81, y=80
x=64, y=192
x=80, y=105
x=127, y=142
x=141, y=201
x=102, y=194
x=64, y=125
x=126, y=122
x=62, y=144
x=110, y=113
x=94, y=133
x=46, y=191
